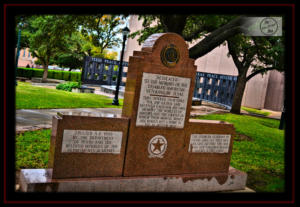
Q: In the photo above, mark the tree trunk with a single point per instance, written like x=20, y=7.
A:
x=45, y=74
x=239, y=92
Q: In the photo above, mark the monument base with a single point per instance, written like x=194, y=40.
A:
x=39, y=180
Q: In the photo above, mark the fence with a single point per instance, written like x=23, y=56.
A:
x=209, y=87
x=215, y=88
x=101, y=71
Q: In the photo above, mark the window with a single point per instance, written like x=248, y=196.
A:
x=208, y=92
x=28, y=54
x=201, y=80
x=200, y=90
x=24, y=53
x=116, y=67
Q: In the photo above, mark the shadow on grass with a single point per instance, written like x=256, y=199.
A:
x=242, y=137
x=264, y=180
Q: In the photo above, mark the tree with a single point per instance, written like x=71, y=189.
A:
x=73, y=55
x=101, y=30
x=112, y=55
x=91, y=50
x=77, y=47
x=46, y=37
x=96, y=33
x=214, y=29
x=50, y=38
x=260, y=54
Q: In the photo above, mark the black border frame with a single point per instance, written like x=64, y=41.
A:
x=11, y=197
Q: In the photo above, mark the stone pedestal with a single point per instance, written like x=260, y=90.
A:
x=40, y=180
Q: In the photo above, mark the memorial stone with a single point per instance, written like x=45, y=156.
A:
x=153, y=146
x=158, y=97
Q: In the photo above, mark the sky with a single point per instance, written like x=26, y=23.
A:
x=118, y=49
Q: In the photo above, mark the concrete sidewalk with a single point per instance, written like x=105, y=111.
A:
x=34, y=119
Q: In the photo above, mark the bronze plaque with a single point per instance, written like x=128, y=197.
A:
x=170, y=55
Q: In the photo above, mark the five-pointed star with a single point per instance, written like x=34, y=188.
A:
x=157, y=145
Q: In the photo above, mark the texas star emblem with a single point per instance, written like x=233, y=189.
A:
x=157, y=146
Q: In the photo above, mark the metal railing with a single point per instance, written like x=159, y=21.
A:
x=101, y=71
x=215, y=88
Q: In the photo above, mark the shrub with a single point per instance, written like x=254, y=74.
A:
x=37, y=73
x=27, y=73
x=66, y=76
x=50, y=74
x=60, y=75
x=67, y=86
x=75, y=76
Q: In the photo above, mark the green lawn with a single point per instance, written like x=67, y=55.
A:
x=34, y=97
x=258, y=150
x=32, y=149
x=256, y=111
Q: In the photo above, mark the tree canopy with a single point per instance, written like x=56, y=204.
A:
x=46, y=36
x=65, y=39
x=102, y=30
x=260, y=54
x=214, y=29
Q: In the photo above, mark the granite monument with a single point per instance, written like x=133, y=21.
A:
x=153, y=146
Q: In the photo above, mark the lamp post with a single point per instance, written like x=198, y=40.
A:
x=18, y=51
x=125, y=32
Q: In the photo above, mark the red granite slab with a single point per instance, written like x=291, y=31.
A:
x=80, y=164
x=149, y=61
x=205, y=162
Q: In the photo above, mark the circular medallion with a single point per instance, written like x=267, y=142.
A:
x=170, y=55
x=268, y=26
x=157, y=146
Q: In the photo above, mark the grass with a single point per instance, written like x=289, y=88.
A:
x=32, y=149
x=256, y=111
x=258, y=149
x=34, y=97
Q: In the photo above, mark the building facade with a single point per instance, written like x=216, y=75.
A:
x=25, y=58
x=261, y=92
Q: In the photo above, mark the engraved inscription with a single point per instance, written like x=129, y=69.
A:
x=163, y=101
x=209, y=143
x=86, y=141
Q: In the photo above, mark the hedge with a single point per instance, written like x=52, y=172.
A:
x=52, y=74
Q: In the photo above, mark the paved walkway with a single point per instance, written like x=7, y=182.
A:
x=33, y=119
